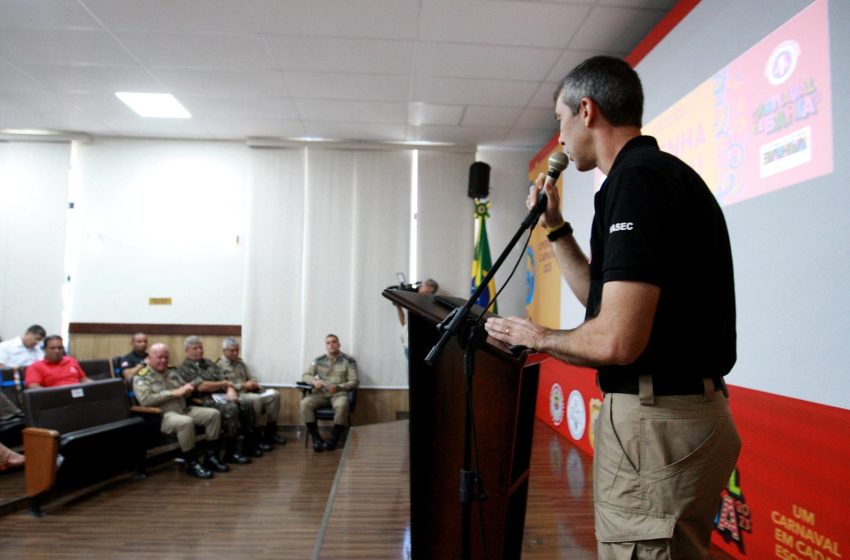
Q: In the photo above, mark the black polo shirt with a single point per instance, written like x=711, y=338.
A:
x=132, y=360
x=656, y=221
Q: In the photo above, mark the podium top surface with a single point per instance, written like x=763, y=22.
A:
x=435, y=308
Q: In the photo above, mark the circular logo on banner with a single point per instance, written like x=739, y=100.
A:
x=782, y=61
x=576, y=415
x=556, y=404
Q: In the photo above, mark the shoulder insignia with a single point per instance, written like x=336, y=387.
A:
x=142, y=372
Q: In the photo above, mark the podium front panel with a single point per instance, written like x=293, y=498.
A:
x=504, y=396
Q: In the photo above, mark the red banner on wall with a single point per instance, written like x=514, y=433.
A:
x=568, y=401
x=789, y=496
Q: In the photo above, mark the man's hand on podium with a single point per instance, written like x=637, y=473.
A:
x=519, y=334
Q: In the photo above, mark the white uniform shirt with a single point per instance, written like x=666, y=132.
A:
x=13, y=353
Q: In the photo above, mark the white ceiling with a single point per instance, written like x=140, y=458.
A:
x=478, y=72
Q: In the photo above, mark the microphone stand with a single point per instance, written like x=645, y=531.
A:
x=455, y=320
x=471, y=335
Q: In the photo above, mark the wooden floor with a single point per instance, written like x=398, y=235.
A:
x=295, y=504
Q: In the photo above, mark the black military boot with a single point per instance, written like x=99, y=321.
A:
x=232, y=455
x=262, y=445
x=196, y=470
x=318, y=442
x=250, y=445
x=212, y=461
x=271, y=437
x=193, y=467
x=331, y=444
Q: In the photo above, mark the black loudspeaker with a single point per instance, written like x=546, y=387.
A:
x=479, y=180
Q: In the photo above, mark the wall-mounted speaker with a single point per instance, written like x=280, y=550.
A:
x=479, y=180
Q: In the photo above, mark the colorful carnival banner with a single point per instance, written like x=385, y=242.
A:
x=764, y=122
x=542, y=273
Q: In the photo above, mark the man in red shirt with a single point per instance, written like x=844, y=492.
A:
x=56, y=368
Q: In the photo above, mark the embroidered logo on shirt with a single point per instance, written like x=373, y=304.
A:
x=621, y=226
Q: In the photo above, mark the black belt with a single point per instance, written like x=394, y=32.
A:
x=660, y=386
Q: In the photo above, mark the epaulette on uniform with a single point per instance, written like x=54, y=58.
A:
x=142, y=372
x=349, y=358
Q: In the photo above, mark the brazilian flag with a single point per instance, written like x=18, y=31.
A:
x=481, y=261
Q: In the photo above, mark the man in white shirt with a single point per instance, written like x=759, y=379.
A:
x=23, y=350
x=19, y=352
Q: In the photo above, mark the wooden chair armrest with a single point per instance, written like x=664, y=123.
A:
x=41, y=447
x=305, y=388
x=145, y=409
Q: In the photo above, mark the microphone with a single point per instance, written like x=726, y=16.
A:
x=558, y=161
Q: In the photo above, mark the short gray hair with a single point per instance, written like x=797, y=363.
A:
x=192, y=341
x=611, y=83
x=229, y=342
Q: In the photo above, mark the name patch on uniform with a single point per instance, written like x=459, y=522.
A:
x=621, y=226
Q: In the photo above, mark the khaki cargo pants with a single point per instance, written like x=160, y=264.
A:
x=658, y=470
x=266, y=406
x=184, y=425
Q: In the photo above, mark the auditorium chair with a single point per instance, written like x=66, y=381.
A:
x=326, y=413
x=97, y=369
x=10, y=429
x=77, y=435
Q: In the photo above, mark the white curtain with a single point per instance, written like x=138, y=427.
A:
x=328, y=230
x=273, y=323
x=33, y=210
x=445, y=220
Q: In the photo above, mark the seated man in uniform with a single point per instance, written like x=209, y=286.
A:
x=56, y=368
x=158, y=385
x=332, y=375
x=133, y=362
x=213, y=390
x=266, y=402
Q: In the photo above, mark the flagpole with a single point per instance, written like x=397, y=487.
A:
x=481, y=262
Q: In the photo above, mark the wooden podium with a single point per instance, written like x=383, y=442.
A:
x=504, y=397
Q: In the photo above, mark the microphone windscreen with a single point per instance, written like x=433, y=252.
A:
x=558, y=161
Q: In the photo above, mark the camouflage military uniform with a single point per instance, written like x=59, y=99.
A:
x=234, y=416
x=154, y=389
x=266, y=404
x=341, y=372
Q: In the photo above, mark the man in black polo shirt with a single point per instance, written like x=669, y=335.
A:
x=659, y=324
x=135, y=360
